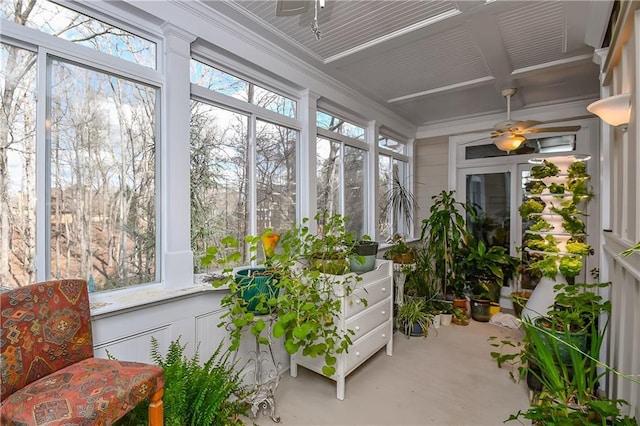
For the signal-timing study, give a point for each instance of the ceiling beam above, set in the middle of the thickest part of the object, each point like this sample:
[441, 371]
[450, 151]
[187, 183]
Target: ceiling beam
[483, 30]
[463, 84]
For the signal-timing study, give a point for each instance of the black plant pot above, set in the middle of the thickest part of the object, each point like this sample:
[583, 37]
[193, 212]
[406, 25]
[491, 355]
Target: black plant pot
[481, 309]
[366, 248]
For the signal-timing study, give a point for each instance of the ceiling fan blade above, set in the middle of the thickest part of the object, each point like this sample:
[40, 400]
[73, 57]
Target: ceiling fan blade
[552, 129]
[291, 7]
[525, 125]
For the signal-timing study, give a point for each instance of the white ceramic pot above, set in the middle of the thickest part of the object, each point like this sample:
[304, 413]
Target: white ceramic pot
[445, 319]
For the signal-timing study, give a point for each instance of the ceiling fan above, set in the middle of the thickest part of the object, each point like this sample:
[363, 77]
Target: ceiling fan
[509, 135]
[299, 7]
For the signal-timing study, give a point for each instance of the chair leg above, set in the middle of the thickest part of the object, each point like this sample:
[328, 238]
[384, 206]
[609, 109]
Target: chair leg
[155, 409]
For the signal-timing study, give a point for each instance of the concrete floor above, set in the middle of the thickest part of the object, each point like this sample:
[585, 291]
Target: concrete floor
[445, 379]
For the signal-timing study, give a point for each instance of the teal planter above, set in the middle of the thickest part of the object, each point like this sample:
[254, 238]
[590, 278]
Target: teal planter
[578, 340]
[366, 250]
[256, 289]
[360, 268]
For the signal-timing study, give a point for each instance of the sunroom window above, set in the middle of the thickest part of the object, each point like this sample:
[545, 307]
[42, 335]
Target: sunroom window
[243, 162]
[88, 156]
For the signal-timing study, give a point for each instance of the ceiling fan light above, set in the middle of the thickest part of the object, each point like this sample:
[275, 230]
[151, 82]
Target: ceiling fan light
[509, 142]
[614, 110]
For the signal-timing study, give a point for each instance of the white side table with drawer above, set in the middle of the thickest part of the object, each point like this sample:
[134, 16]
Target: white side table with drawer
[372, 325]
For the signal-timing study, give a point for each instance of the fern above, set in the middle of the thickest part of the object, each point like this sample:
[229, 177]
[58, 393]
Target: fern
[202, 391]
[195, 395]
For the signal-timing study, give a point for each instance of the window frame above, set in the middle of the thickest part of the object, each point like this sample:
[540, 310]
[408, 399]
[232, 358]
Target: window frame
[344, 140]
[48, 47]
[253, 113]
[407, 158]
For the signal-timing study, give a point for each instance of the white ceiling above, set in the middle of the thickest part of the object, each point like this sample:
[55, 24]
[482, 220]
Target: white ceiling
[435, 61]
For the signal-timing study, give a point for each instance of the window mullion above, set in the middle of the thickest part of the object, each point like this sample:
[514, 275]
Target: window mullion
[43, 170]
[252, 190]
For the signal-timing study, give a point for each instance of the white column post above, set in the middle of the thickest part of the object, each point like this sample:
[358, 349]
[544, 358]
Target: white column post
[175, 213]
[373, 213]
[307, 198]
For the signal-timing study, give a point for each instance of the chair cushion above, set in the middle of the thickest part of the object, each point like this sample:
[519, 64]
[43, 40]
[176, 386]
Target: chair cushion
[45, 327]
[93, 391]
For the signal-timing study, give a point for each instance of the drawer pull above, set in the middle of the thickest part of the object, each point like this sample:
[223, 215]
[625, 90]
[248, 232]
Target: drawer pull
[357, 353]
[384, 289]
[358, 302]
[357, 327]
[384, 312]
[384, 336]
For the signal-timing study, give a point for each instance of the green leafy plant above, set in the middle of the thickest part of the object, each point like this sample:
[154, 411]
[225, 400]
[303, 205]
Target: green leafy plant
[200, 395]
[547, 265]
[306, 302]
[577, 169]
[400, 200]
[400, 251]
[547, 243]
[414, 312]
[530, 207]
[570, 266]
[487, 268]
[556, 188]
[633, 249]
[578, 247]
[546, 169]
[568, 396]
[443, 234]
[541, 225]
[535, 187]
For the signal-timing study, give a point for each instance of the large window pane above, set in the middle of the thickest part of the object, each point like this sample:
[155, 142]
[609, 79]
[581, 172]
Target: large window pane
[227, 84]
[67, 24]
[17, 166]
[355, 189]
[219, 179]
[391, 144]
[490, 196]
[385, 180]
[103, 167]
[328, 160]
[391, 221]
[276, 176]
[340, 126]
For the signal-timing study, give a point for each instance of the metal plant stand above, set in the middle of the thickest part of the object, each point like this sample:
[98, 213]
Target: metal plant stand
[266, 377]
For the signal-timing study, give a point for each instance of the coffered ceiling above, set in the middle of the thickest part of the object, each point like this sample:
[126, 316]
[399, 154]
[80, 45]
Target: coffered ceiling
[437, 61]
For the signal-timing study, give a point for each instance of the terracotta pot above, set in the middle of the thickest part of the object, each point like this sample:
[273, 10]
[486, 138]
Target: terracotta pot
[404, 258]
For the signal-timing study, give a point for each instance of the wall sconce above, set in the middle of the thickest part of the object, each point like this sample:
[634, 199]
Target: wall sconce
[509, 141]
[614, 110]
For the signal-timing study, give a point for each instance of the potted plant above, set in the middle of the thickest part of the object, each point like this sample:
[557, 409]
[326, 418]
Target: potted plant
[328, 251]
[459, 316]
[400, 251]
[568, 375]
[562, 373]
[400, 201]
[304, 301]
[209, 393]
[444, 234]
[363, 256]
[413, 318]
[486, 269]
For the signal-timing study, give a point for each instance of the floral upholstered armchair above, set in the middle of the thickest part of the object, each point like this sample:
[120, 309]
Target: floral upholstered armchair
[48, 373]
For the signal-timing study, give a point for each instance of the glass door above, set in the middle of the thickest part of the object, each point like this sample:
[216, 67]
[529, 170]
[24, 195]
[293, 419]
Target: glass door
[489, 190]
